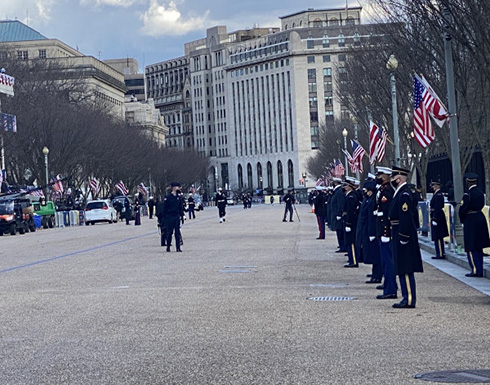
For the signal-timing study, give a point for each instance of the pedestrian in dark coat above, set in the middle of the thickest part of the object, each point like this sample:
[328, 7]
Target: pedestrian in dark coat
[438, 224]
[172, 212]
[349, 214]
[191, 205]
[127, 210]
[151, 207]
[337, 205]
[406, 249]
[288, 200]
[137, 212]
[320, 210]
[220, 201]
[475, 226]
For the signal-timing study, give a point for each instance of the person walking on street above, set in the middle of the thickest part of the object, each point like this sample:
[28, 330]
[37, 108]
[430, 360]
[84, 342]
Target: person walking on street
[172, 212]
[438, 225]
[151, 207]
[127, 210]
[288, 200]
[475, 228]
[191, 205]
[272, 200]
[406, 249]
[220, 201]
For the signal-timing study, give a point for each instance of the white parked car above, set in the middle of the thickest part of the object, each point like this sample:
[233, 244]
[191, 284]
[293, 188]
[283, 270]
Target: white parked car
[99, 211]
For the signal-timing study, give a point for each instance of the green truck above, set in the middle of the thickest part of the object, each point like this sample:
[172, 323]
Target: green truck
[47, 212]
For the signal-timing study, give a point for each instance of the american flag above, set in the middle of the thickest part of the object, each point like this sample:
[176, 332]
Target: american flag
[142, 189]
[320, 181]
[56, 184]
[358, 154]
[377, 143]
[337, 168]
[1, 178]
[95, 185]
[423, 130]
[120, 186]
[36, 192]
[352, 162]
[433, 104]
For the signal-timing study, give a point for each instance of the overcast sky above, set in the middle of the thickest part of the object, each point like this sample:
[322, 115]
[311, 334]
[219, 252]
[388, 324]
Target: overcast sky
[148, 30]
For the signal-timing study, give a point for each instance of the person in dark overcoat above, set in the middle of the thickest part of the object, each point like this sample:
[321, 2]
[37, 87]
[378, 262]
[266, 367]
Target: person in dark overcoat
[137, 212]
[368, 245]
[220, 200]
[336, 206]
[406, 249]
[438, 224]
[475, 226]
[349, 215]
[384, 196]
[151, 207]
[288, 200]
[172, 212]
[320, 210]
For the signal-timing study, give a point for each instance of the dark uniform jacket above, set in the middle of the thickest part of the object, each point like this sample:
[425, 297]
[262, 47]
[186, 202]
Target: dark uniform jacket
[384, 197]
[367, 251]
[350, 213]
[220, 199]
[437, 215]
[320, 204]
[407, 256]
[473, 220]
[288, 199]
[172, 207]
[337, 205]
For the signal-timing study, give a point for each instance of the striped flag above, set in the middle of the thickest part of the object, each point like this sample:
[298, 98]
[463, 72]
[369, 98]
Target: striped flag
[338, 168]
[357, 153]
[422, 126]
[433, 104]
[56, 184]
[352, 162]
[377, 143]
[95, 185]
[120, 186]
[142, 189]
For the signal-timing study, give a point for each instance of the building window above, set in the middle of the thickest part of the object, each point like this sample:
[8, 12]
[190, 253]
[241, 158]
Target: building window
[329, 116]
[310, 59]
[341, 40]
[327, 72]
[326, 58]
[311, 73]
[328, 101]
[333, 22]
[314, 130]
[357, 39]
[342, 56]
[22, 55]
[313, 102]
[327, 86]
[42, 54]
[344, 114]
[311, 87]
[326, 41]
[310, 44]
[314, 144]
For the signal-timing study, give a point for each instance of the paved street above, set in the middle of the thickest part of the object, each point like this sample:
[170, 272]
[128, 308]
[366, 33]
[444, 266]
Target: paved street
[105, 304]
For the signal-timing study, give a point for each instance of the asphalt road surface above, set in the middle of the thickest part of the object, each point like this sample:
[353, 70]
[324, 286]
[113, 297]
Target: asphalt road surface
[105, 304]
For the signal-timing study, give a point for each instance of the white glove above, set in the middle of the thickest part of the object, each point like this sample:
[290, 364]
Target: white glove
[434, 223]
[348, 229]
[338, 218]
[385, 239]
[371, 239]
[403, 242]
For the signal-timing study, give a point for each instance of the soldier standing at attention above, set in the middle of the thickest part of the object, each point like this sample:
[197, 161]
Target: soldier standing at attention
[350, 212]
[220, 200]
[172, 211]
[438, 225]
[406, 249]
[475, 227]
[321, 210]
[384, 197]
[336, 203]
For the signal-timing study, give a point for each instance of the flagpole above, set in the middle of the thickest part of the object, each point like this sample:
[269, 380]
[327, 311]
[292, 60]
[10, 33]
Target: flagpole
[355, 137]
[453, 126]
[344, 134]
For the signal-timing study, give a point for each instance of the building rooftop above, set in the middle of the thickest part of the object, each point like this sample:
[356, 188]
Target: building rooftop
[328, 10]
[14, 30]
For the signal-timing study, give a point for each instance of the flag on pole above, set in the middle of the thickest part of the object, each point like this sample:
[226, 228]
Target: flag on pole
[377, 143]
[142, 189]
[352, 162]
[422, 127]
[357, 153]
[56, 184]
[120, 186]
[433, 103]
[95, 185]
[338, 168]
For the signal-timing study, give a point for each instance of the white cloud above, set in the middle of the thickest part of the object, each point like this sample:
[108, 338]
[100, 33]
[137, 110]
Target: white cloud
[27, 10]
[161, 20]
[115, 3]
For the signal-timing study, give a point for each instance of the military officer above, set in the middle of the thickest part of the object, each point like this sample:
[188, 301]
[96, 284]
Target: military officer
[406, 249]
[336, 206]
[474, 225]
[349, 214]
[384, 197]
[438, 224]
[172, 212]
[220, 200]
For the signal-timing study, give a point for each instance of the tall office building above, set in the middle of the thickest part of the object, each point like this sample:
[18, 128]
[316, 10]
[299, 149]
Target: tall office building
[260, 96]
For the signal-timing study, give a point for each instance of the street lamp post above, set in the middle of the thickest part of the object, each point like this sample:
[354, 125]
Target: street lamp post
[46, 152]
[344, 134]
[392, 66]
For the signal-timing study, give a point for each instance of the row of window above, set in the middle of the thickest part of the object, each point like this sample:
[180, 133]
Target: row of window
[332, 22]
[268, 181]
[259, 68]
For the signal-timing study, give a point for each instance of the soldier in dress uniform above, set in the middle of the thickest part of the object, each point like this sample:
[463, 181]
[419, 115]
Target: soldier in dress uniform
[172, 212]
[349, 214]
[384, 197]
[288, 200]
[336, 206]
[475, 226]
[220, 201]
[406, 249]
[321, 209]
[438, 224]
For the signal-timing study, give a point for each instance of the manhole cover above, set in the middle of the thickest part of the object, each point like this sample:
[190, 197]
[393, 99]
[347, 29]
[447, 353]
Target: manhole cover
[331, 298]
[329, 284]
[476, 376]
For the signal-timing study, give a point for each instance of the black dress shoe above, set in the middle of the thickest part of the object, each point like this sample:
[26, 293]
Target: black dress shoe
[291, 220]
[443, 257]
[340, 251]
[402, 305]
[474, 275]
[374, 281]
[352, 265]
[168, 249]
[386, 296]
[369, 275]
[179, 251]
[380, 287]
[321, 238]
[284, 220]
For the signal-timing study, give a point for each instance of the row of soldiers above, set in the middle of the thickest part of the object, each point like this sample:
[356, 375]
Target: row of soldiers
[377, 224]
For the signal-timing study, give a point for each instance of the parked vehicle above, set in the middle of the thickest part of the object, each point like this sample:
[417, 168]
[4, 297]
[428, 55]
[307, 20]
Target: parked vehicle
[100, 210]
[47, 211]
[198, 202]
[16, 214]
[122, 199]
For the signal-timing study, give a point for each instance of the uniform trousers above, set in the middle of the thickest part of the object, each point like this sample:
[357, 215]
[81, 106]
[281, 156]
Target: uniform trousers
[475, 259]
[340, 240]
[173, 224]
[388, 263]
[321, 225]
[351, 254]
[439, 243]
[407, 286]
